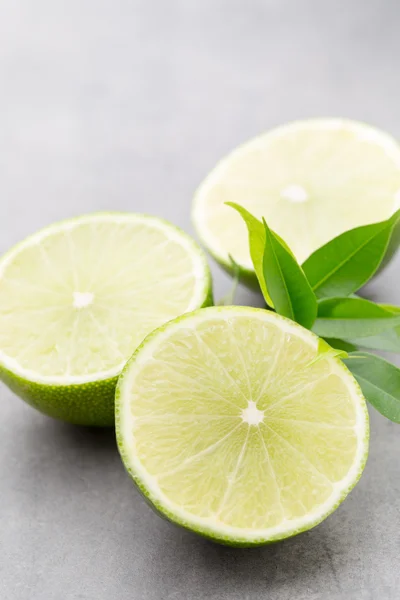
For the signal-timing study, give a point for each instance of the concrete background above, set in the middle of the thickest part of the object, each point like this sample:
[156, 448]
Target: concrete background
[126, 104]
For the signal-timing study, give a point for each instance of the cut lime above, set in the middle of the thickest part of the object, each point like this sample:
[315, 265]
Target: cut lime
[231, 429]
[311, 180]
[77, 298]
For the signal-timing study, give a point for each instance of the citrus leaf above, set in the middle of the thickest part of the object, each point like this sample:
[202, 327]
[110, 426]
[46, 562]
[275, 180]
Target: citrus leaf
[341, 344]
[388, 341]
[256, 242]
[352, 318]
[325, 350]
[346, 263]
[391, 308]
[290, 291]
[379, 381]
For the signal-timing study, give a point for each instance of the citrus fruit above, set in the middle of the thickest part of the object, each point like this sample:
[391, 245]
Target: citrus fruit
[311, 180]
[78, 297]
[231, 429]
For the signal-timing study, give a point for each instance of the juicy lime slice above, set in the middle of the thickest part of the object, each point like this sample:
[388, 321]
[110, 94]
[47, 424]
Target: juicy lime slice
[77, 298]
[231, 429]
[311, 180]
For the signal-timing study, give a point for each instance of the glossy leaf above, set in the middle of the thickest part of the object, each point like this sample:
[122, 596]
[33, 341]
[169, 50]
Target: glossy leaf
[346, 263]
[256, 243]
[325, 350]
[388, 341]
[352, 318]
[391, 308]
[290, 291]
[341, 344]
[379, 381]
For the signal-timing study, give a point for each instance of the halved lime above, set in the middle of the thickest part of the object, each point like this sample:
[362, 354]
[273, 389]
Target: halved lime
[311, 180]
[77, 298]
[231, 429]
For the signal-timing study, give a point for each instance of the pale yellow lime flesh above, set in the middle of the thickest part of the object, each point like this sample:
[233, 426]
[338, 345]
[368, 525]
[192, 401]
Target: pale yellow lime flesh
[77, 298]
[311, 180]
[229, 429]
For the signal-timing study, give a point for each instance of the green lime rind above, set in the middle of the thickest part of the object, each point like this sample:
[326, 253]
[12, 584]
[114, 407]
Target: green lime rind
[211, 533]
[87, 403]
[90, 404]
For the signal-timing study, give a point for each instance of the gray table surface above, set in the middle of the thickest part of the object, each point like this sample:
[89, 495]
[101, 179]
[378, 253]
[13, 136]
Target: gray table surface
[126, 104]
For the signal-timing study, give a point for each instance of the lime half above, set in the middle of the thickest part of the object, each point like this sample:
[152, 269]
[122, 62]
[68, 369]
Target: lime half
[231, 429]
[77, 298]
[311, 180]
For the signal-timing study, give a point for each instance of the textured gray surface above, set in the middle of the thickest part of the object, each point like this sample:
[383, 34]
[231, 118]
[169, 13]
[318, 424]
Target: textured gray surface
[125, 104]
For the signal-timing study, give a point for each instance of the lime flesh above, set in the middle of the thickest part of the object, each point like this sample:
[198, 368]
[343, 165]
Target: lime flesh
[77, 298]
[231, 429]
[311, 180]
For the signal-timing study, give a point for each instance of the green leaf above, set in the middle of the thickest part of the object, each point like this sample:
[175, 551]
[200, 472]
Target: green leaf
[290, 291]
[391, 308]
[379, 381]
[325, 350]
[346, 263]
[388, 341]
[341, 344]
[352, 318]
[256, 242]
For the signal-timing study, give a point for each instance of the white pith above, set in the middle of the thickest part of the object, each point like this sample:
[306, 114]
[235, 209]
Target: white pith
[82, 299]
[294, 193]
[252, 415]
[214, 526]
